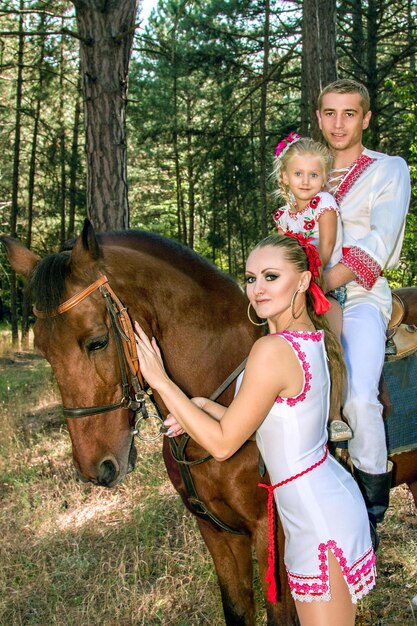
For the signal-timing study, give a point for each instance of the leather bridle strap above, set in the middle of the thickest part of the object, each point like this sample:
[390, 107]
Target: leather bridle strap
[74, 300]
[125, 345]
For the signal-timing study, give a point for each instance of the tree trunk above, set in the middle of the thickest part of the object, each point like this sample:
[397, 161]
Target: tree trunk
[62, 155]
[372, 37]
[327, 11]
[32, 175]
[262, 124]
[16, 172]
[191, 186]
[74, 164]
[318, 61]
[106, 28]
[358, 43]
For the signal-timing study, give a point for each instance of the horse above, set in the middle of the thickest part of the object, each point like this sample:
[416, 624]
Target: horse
[198, 315]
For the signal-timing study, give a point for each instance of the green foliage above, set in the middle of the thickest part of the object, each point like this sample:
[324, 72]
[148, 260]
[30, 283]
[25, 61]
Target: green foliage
[193, 117]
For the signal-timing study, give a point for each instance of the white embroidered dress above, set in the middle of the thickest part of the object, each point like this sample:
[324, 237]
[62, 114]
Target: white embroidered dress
[307, 222]
[322, 509]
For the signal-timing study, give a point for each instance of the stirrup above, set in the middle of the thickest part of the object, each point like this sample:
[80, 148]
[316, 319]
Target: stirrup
[339, 431]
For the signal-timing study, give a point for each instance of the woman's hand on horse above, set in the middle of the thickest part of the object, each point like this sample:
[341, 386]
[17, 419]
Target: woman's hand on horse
[150, 359]
[174, 428]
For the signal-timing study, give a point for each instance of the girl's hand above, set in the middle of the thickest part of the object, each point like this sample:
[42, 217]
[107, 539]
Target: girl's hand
[174, 428]
[150, 360]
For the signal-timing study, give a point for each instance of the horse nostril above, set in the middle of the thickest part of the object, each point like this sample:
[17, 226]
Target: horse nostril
[107, 473]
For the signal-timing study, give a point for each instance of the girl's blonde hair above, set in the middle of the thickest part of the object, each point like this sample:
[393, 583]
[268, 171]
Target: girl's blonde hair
[301, 147]
[296, 255]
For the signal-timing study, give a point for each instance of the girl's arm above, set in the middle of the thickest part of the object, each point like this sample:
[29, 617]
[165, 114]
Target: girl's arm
[327, 235]
[272, 369]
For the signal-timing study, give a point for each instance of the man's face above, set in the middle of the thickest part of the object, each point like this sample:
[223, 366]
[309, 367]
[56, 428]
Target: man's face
[342, 121]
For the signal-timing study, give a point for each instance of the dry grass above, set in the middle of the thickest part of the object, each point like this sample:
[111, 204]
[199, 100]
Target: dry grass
[74, 554]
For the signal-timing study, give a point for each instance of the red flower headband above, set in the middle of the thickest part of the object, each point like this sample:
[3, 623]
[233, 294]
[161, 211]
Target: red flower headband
[320, 302]
[284, 144]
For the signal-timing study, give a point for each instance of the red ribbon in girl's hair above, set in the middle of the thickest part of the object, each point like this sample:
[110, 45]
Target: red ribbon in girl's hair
[320, 302]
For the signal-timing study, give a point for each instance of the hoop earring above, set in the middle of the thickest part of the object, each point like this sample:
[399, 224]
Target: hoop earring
[294, 295]
[251, 320]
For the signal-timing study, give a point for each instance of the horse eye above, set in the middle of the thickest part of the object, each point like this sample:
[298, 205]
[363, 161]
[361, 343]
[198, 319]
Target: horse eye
[97, 343]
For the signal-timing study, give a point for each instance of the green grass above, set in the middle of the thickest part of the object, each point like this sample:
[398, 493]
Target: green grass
[73, 554]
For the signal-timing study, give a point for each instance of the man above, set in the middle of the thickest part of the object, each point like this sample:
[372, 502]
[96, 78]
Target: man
[373, 192]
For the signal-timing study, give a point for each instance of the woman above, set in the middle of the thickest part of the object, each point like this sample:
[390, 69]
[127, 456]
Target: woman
[284, 397]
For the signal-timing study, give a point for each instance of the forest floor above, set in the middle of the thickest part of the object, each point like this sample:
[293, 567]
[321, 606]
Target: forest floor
[73, 554]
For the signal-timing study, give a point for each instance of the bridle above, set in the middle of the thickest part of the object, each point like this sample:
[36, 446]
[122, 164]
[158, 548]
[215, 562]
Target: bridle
[132, 379]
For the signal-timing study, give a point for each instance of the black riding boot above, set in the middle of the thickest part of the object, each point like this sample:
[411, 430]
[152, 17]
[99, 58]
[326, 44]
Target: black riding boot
[375, 490]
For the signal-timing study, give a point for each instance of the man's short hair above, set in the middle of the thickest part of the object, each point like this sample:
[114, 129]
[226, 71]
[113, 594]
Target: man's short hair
[346, 85]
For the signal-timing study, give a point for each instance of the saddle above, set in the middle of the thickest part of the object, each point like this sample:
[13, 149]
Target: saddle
[401, 338]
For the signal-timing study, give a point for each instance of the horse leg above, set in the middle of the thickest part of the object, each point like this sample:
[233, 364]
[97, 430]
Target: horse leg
[413, 489]
[405, 471]
[283, 611]
[232, 557]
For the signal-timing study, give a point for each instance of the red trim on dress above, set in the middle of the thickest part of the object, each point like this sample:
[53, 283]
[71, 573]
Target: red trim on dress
[321, 210]
[365, 268]
[270, 574]
[360, 577]
[358, 167]
[289, 336]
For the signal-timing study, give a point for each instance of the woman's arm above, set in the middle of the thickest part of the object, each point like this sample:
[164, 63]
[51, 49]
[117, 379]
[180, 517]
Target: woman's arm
[214, 409]
[272, 369]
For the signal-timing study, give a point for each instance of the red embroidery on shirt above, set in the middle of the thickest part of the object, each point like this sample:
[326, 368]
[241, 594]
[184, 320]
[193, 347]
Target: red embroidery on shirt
[359, 166]
[365, 268]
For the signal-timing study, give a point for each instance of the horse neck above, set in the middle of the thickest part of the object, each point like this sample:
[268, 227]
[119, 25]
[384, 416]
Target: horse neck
[200, 327]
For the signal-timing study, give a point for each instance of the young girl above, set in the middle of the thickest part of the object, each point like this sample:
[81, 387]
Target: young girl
[284, 397]
[301, 169]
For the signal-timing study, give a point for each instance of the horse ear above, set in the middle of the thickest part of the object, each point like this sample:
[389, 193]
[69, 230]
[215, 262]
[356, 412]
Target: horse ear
[21, 258]
[86, 247]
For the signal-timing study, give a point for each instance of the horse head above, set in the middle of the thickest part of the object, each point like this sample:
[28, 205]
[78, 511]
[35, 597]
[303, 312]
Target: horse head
[79, 345]
[196, 313]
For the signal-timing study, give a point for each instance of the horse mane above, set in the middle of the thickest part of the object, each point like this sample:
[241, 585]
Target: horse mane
[176, 254]
[46, 283]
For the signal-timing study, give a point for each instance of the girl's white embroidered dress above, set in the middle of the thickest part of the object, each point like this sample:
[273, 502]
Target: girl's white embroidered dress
[322, 509]
[307, 222]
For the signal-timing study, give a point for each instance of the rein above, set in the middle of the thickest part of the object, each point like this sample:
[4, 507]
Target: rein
[129, 368]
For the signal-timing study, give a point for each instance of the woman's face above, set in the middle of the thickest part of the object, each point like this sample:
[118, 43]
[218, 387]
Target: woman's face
[271, 281]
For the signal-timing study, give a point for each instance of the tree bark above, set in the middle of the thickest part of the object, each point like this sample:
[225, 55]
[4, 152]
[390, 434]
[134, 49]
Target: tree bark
[319, 61]
[358, 42]
[262, 124]
[32, 176]
[74, 164]
[106, 29]
[372, 72]
[16, 171]
[62, 155]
